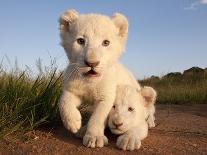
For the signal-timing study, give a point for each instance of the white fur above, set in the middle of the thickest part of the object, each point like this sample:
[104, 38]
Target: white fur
[130, 111]
[150, 95]
[150, 115]
[100, 90]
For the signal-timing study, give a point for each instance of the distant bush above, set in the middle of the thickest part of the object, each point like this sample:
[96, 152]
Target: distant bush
[177, 88]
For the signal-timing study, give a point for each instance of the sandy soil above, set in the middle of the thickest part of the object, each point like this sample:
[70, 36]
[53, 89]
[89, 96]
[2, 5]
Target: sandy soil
[181, 129]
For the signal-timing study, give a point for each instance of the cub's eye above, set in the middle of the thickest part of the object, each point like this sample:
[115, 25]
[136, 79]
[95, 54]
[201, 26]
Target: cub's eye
[114, 107]
[81, 41]
[130, 109]
[105, 43]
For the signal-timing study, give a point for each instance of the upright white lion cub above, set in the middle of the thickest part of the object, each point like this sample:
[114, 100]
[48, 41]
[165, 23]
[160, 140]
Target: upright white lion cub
[93, 44]
[130, 114]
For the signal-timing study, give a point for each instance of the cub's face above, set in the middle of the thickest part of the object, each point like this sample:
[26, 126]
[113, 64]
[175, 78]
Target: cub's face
[130, 107]
[122, 117]
[127, 111]
[92, 42]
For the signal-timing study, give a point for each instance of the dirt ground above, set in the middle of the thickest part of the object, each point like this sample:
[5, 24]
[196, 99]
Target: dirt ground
[181, 129]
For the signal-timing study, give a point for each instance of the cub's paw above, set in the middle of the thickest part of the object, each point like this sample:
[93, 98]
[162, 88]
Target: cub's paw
[73, 121]
[128, 142]
[151, 124]
[94, 141]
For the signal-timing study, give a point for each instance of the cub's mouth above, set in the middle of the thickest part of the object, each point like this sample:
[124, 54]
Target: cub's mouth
[116, 131]
[91, 73]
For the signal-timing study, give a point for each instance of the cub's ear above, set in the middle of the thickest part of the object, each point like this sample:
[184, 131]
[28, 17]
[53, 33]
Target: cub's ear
[149, 95]
[66, 19]
[121, 23]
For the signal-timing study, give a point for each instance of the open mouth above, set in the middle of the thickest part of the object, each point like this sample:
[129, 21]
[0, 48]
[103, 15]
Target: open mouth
[92, 73]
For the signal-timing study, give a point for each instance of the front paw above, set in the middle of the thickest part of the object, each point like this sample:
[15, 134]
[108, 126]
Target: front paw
[72, 121]
[94, 141]
[151, 124]
[128, 142]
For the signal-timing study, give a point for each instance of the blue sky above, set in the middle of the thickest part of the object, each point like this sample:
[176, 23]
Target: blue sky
[164, 35]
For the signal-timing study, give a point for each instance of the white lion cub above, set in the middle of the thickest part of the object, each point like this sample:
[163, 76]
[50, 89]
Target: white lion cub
[93, 44]
[129, 113]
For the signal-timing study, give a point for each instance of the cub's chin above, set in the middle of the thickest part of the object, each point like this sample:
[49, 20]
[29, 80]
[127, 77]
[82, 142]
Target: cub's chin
[117, 131]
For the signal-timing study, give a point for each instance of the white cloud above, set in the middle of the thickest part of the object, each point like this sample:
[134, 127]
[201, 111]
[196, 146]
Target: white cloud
[195, 5]
[203, 2]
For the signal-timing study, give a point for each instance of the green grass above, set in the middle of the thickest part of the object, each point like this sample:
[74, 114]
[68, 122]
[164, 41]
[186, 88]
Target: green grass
[28, 101]
[181, 89]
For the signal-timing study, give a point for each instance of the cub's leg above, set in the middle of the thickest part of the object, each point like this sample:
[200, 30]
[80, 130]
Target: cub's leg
[94, 136]
[151, 117]
[69, 113]
[151, 121]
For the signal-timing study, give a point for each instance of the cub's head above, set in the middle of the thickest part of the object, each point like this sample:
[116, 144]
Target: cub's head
[92, 42]
[129, 108]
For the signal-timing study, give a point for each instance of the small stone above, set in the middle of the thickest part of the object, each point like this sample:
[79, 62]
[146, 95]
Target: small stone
[195, 145]
[36, 137]
[34, 147]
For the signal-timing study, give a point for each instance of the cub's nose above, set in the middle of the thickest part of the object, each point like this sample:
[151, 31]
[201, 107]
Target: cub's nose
[117, 125]
[92, 64]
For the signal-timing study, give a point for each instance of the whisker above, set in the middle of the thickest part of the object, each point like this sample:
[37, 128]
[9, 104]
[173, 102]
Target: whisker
[70, 74]
[73, 63]
[79, 73]
[98, 67]
[75, 75]
[83, 67]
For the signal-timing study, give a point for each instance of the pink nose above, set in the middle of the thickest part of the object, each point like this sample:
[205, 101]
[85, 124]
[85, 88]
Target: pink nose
[117, 124]
[91, 64]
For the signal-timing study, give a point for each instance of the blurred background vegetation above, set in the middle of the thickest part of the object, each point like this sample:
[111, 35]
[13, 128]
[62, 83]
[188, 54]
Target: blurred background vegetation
[180, 88]
[29, 100]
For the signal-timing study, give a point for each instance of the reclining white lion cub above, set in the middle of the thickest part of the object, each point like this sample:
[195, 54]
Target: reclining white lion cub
[93, 44]
[131, 113]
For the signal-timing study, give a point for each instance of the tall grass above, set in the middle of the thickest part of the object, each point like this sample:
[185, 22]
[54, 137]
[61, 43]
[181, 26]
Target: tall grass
[27, 102]
[191, 88]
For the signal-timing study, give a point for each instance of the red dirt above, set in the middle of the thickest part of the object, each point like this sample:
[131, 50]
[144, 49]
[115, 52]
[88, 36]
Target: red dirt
[181, 129]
